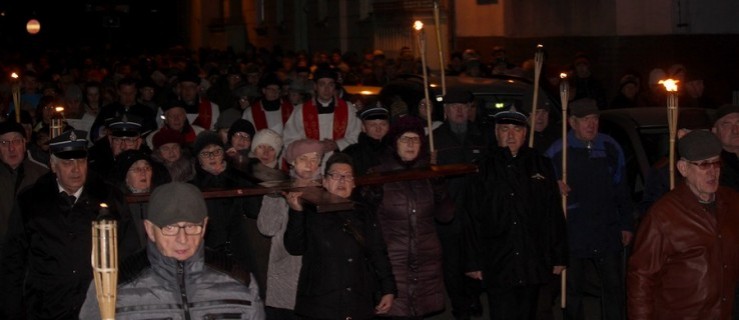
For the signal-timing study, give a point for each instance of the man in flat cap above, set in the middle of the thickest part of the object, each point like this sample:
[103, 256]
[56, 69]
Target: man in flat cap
[124, 133]
[126, 105]
[726, 127]
[269, 112]
[176, 277]
[458, 140]
[17, 170]
[515, 237]
[371, 143]
[600, 212]
[45, 268]
[684, 263]
[326, 118]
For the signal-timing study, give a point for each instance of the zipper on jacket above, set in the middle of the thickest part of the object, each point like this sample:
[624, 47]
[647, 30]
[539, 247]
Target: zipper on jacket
[183, 292]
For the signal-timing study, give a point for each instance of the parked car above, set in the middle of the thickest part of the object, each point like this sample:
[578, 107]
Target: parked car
[643, 134]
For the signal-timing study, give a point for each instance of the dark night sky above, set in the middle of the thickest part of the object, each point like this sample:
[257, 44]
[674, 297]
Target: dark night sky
[147, 24]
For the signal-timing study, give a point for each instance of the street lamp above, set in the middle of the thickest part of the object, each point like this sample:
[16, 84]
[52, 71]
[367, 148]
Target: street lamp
[33, 26]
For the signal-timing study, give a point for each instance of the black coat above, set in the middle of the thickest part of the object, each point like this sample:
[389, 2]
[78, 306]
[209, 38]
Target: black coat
[49, 248]
[516, 232]
[340, 275]
[366, 153]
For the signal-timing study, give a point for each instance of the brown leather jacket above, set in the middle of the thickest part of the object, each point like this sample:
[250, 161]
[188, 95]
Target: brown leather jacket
[684, 262]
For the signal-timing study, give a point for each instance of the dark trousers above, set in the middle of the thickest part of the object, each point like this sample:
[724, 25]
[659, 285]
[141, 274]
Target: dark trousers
[464, 292]
[608, 269]
[272, 313]
[517, 303]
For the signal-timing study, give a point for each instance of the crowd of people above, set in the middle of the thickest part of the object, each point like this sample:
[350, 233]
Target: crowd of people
[171, 126]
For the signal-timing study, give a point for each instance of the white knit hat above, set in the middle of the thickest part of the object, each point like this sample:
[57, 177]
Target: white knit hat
[268, 137]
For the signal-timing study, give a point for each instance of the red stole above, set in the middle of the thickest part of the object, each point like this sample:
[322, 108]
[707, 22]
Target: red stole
[310, 119]
[260, 117]
[205, 114]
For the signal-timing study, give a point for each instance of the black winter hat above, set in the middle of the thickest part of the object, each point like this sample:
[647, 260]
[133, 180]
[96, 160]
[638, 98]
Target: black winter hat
[205, 139]
[125, 160]
[241, 125]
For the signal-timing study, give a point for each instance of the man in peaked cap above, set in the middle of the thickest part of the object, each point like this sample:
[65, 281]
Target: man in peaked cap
[45, 268]
[371, 145]
[516, 199]
[126, 105]
[326, 117]
[684, 262]
[124, 134]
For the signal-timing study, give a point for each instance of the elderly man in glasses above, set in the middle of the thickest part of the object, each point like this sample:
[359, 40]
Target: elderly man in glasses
[684, 264]
[17, 170]
[176, 277]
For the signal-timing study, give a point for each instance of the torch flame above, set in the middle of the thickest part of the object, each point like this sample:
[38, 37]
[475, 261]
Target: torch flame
[670, 84]
[540, 46]
[59, 109]
[103, 205]
[418, 25]
[14, 75]
[563, 75]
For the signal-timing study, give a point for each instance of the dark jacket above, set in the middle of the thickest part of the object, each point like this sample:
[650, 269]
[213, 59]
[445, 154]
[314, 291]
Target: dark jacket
[685, 260]
[345, 263]
[450, 149]
[115, 109]
[45, 267]
[209, 285]
[516, 232]
[406, 212]
[366, 153]
[232, 225]
[599, 205]
[12, 183]
[729, 170]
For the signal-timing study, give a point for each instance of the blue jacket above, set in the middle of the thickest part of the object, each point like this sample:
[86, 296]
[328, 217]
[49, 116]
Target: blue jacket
[599, 205]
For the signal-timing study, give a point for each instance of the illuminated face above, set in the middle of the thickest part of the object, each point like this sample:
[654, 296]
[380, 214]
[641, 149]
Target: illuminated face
[325, 89]
[306, 165]
[457, 113]
[727, 130]
[541, 120]
[241, 141]
[12, 149]
[175, 118]
[701, 176]
[585, 128]
[376, 129]
[138, 176]
[71, 173]
[127, 94]
[511, 136]
[339, 180]
[170, 152]
[408, 146]
[211, 158]
[120, 144]
[180, 246]
[271, 92]
[265, 153]
[188, 91]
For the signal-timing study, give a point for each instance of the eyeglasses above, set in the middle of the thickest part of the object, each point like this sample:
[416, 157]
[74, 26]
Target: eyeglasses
[211, 154]
[174, 229]
[705, 165]
[338, 176]
[130, 141]
[241, 135]
[8, 143]
[139, 170]
[410, 140]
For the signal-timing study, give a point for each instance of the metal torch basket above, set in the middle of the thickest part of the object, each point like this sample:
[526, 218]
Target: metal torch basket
[105, 265]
